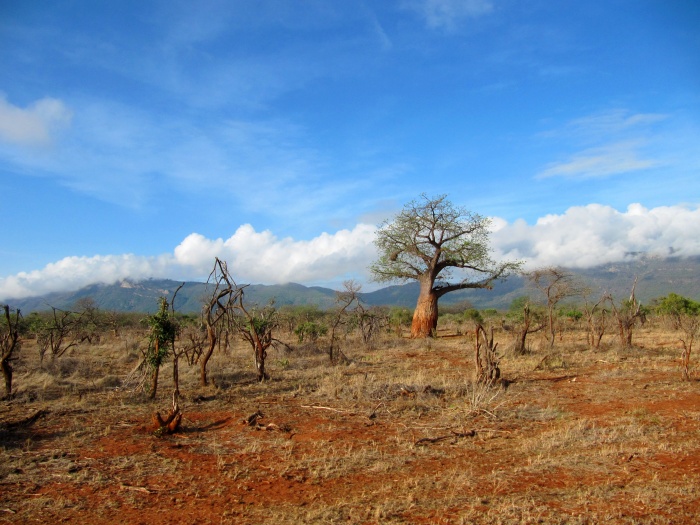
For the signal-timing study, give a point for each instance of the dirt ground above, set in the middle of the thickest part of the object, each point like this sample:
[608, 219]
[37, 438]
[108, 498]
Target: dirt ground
[399, 434]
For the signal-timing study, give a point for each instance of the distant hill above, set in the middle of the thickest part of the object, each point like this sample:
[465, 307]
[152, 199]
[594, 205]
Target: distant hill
[656, 277]
[142, 296]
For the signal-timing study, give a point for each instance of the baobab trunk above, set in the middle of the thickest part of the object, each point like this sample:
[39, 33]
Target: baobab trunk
[425, 317]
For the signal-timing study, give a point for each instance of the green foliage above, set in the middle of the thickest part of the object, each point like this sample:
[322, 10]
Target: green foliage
[523, 310]
[431, 236]
[571, 312]
[34, 323]
[163, 331]
[292, 316]
[473, 315]
[519, 303]
[456, 308]
[674, 304]
[305, 312]
[310, 330]
[261, 325]
[399, 316]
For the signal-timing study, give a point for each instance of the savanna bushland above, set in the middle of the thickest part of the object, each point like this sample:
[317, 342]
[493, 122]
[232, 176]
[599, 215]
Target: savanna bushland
[570, 406]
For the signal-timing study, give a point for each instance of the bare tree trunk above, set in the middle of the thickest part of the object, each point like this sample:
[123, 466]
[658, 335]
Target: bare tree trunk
[425, 318]
[7, 374]
[176, 375]
[685, 361]
[211, 334]
[520, 347]
[154, 382]
[552, 331]
[154, 377]
[260, 355]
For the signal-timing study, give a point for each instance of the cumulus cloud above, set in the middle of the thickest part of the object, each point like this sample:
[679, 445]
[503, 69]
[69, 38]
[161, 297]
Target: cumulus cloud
[586, 236]
[34, 125]
[261, 257]
[583, 236]
[446, 14]
[72, 273]
[252, 257]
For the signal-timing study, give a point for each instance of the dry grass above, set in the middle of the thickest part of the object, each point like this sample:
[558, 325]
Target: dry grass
[398, 434]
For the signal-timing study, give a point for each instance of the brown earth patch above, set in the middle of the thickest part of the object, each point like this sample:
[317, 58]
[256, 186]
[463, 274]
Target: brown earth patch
[400, 435]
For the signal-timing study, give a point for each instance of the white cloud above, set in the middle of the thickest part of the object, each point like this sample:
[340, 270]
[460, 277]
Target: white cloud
[583, 236]
[252, 257]
[261, 257]
[34, 125]
[72, 273]
[586, 236]
[446, 14]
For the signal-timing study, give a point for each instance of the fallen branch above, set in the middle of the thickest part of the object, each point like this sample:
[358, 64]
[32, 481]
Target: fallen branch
[427, 440]
[138, 489]
[329, 408]
[26, 421]
[253, 422]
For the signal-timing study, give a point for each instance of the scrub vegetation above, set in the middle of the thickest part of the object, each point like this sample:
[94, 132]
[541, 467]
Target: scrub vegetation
[513, 416]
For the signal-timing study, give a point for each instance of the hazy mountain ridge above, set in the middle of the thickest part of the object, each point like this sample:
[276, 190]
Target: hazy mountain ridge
[656, 277]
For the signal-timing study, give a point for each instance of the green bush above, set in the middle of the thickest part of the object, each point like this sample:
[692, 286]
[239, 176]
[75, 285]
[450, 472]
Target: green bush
[310, 330]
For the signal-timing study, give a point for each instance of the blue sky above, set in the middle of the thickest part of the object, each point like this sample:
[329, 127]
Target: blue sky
[142, 139]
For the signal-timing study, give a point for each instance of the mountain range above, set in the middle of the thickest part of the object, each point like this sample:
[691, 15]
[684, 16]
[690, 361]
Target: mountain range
[656, 277]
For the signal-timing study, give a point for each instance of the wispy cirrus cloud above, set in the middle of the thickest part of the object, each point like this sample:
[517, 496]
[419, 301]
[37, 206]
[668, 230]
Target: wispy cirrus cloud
[604, 161]
[35, 125]
[124, 155]
[612, 122]
[604, 144]
[448, 14]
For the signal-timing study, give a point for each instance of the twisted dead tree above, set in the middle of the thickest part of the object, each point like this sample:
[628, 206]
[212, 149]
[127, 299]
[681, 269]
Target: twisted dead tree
[344, 301]
[527, 319]
[255, 325]
[627, 314]
[684, 315]
[9, 343]
[596, 319]
[485, 357]
[60, 333]
[217, 310]
[555, 284]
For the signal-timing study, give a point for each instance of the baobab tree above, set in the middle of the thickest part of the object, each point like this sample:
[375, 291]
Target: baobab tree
[433, 241]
